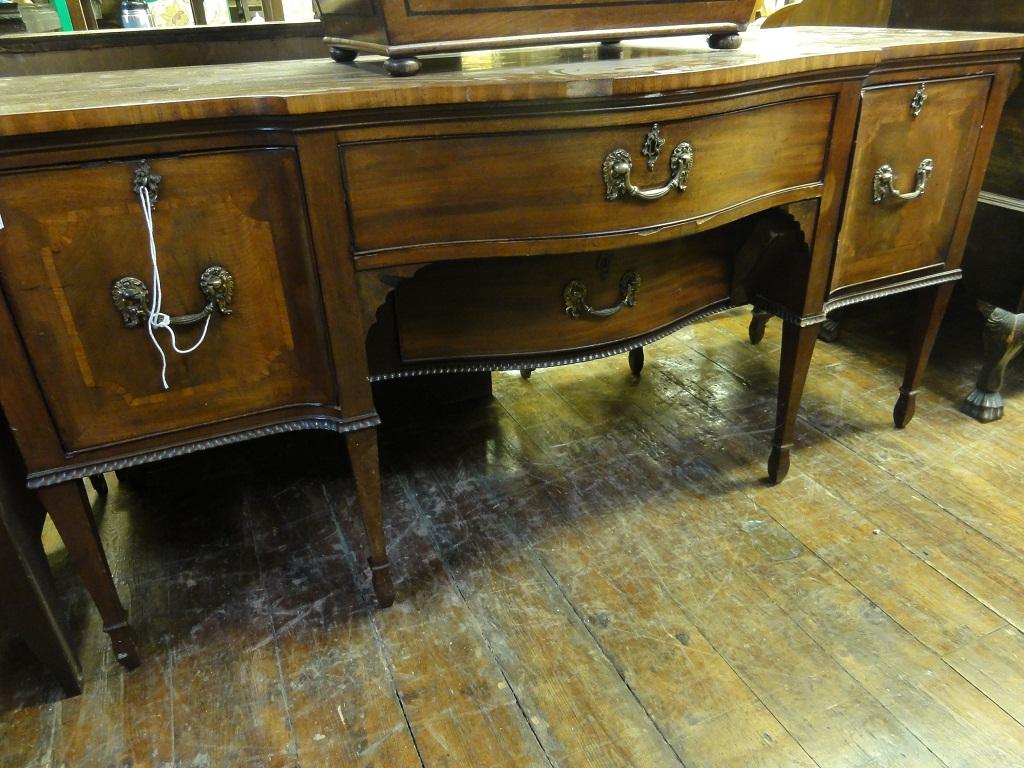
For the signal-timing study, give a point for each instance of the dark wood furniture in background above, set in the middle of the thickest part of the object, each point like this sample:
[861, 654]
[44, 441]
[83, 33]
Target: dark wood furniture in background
[405, 29]
[546, 209]
[29, 608]
[106, 50]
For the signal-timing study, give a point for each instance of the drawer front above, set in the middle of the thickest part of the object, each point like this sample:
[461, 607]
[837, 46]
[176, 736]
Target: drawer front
[72, 232]
[894, 236]
[550, 184]
[494, 308]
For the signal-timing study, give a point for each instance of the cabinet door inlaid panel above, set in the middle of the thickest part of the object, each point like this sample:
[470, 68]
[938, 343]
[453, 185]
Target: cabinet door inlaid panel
[892, 237]
[72, 232]
[548, 184]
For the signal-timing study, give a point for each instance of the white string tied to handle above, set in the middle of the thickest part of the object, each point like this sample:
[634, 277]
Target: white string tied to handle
[158, 319]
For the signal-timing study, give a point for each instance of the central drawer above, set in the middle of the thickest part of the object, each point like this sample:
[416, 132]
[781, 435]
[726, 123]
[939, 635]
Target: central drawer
[515, 307]
[548, 184]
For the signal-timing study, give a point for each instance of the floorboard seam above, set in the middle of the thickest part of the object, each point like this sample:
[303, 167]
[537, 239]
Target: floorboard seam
[555, 391]
[900, 481]
[389, 665]
[282, 683]
[989, 698]
[611, 663]
[739, 676]
[906, 726]
[429, 527]
[170, 688]
[359, 578]
[908, 483]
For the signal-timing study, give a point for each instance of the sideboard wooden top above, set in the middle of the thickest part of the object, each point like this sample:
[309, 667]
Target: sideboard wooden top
[39, 104]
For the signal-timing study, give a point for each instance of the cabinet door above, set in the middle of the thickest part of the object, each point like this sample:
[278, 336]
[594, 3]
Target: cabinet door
[892, 236]
[72, 232]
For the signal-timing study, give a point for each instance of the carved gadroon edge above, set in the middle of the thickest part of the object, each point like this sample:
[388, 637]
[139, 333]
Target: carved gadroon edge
[891, 290]
[551, 361]
[785, 314]
[55, 477]
[144, 177]
[803, 321]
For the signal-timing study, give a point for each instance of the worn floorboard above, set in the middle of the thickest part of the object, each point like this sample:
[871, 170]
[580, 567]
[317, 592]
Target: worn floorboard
[591, 572]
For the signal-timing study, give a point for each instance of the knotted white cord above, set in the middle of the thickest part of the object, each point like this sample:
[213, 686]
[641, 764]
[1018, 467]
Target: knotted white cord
[158, 319]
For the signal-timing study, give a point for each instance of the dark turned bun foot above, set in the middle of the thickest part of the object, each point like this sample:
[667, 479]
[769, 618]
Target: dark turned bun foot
[343, 55]
[636, 361]
[725, 42]
[402, 67]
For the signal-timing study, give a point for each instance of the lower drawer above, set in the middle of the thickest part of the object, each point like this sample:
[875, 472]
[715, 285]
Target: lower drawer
[497, 308]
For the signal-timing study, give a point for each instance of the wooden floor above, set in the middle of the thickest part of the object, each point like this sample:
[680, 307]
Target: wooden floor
[592, 573]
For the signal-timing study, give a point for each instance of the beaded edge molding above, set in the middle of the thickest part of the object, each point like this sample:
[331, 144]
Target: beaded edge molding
[784, 314]
[44, 479]
[845, 301]
[506, 364]
[892, 290]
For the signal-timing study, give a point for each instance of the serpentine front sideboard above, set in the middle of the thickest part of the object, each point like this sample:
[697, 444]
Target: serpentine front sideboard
[304, 228]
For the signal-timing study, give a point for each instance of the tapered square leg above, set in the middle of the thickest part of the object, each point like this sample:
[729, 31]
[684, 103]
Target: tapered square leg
[363, 452]
[797, 349]
[29, 603]
[758, 321]
[931, 306]
[68, 507]
[636, 361]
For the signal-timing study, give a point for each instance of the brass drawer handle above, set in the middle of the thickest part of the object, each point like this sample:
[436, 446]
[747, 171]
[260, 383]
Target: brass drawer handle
[618, 165]
[131, 297]
[885, 182]
[575, 297]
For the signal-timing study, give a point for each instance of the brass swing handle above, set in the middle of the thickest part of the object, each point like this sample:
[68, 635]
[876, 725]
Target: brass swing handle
[131, 298]
[575, 297]
[618, 165]
[885, 182]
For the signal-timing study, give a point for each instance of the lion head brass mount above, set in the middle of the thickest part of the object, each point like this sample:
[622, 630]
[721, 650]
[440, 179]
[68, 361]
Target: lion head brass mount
[618, 165]
[131, 298]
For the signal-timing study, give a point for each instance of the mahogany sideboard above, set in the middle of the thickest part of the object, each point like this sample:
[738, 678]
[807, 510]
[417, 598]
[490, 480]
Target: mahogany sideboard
[318, 226]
